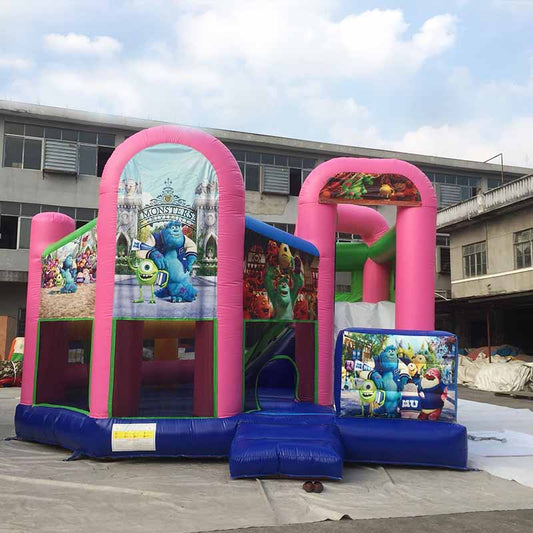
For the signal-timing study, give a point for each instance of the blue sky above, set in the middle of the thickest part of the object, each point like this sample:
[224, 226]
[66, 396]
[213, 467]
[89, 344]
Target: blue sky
[451, 78]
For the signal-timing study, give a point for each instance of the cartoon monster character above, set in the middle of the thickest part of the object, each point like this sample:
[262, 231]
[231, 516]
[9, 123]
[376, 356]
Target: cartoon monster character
[68, 272]
[175, 253]
[58, 280]
[386, 191]
[301, 309]
[283, 283]
[414, 375]
[146, 272]
[420, 361]
[371, 398]
[272, 253]
[405, 191]
[285, 259]
[248, 289]
[387, 376]
[261, 306]
[433, 393]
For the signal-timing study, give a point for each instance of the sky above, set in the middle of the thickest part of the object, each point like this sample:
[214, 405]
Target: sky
[439, 77]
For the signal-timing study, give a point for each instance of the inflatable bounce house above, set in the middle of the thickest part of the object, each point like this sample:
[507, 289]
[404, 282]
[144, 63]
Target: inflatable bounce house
[174, 325]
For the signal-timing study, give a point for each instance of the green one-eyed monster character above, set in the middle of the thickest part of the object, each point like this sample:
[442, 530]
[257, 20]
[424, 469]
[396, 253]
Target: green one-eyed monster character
[147, 273]
[371, 397]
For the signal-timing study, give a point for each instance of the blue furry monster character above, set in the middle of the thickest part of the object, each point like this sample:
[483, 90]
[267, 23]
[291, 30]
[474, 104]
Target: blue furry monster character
[388, 377]
[68, 270]
[175, 253]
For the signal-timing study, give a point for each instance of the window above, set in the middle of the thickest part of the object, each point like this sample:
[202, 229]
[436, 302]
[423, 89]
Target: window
[443, 240]
[23, 146]
[348, 237]
[104, 153]
[523, 242]
[8, 232]
[295, 183]
[444, 260]
[251, 179]
[87, 157]
[475, 259]
[24, 233]
[15, 221]
[282, 174]
[289, 228]
[13, 148]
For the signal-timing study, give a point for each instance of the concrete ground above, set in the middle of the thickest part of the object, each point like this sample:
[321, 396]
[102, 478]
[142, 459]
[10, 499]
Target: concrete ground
[42, 493]
[482, 522]
[464, 393]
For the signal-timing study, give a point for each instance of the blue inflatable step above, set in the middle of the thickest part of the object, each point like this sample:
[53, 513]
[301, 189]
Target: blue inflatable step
[290, 449]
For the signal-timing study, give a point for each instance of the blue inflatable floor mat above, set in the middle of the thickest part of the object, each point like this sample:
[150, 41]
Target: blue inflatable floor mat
[272, 448]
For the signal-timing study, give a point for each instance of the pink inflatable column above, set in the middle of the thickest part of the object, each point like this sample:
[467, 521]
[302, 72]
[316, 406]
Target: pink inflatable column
[46, 228]
[415, 255]
[415, 267]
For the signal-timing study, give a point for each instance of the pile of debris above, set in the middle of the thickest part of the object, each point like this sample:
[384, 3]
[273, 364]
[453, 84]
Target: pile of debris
[507, 370]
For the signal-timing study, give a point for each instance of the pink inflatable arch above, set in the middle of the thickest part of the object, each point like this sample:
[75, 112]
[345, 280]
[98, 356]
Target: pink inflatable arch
[370, 225]
[415, 256]
[230, 260]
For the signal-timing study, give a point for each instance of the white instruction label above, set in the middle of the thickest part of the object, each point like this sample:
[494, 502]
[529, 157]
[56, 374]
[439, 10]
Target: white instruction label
[133, 437]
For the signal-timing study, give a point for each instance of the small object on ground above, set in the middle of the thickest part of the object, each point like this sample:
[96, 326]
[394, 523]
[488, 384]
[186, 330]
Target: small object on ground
[308, 486]
[317, 486]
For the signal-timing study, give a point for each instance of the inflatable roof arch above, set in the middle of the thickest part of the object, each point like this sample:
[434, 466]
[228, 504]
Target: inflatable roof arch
[319, 216]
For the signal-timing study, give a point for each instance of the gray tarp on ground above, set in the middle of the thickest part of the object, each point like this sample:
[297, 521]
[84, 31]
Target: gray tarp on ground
[41, 492]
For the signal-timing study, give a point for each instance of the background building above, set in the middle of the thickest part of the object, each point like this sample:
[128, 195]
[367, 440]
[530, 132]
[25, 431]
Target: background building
[491, 241]
[52, 158]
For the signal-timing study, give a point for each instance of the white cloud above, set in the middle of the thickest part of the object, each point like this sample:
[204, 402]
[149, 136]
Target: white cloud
[74, 43]
[279, 38]
[477, 140]
[14, 63]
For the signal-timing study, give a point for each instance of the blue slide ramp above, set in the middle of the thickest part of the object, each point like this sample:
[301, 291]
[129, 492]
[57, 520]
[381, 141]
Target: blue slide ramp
[307, 447]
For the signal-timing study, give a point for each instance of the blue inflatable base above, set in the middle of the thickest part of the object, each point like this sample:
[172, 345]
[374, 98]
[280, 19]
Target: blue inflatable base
[311, 443]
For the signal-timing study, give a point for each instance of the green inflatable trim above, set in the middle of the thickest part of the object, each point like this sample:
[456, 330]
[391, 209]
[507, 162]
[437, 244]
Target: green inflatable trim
[70, 237]
[350, 256]
[384, 249]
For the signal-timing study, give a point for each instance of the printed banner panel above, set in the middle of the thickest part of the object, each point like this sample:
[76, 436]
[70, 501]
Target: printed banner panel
[167, 235]
[280, 281]
[68, 279]
[392, 376]
[369, 189]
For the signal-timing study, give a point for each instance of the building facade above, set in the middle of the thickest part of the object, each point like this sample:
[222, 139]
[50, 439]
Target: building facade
[491, 241]
[52, 159]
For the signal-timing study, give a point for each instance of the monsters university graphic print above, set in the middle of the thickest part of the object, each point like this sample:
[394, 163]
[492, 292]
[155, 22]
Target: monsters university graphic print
[167, 219]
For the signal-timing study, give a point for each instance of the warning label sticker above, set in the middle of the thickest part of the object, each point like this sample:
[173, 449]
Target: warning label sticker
[133, 437]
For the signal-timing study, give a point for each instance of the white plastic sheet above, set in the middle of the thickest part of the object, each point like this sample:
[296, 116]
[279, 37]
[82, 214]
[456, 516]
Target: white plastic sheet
[501, 374]
[363, 315]
[508, 460]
